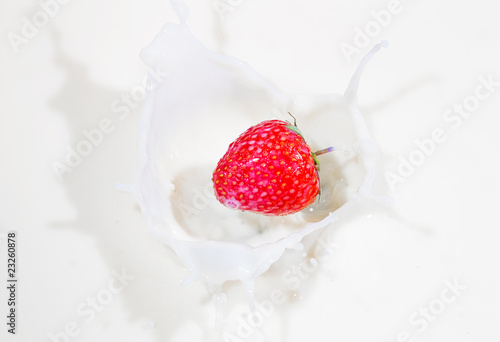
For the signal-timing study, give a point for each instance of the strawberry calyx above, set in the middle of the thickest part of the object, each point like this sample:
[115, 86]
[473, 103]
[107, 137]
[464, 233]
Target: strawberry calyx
[296, 130]
[293, 127]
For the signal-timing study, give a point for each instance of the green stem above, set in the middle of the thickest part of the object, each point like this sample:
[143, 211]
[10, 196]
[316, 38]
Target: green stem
[325, 150]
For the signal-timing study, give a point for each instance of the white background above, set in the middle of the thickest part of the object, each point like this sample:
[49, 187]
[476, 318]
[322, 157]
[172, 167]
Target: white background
[75, 231]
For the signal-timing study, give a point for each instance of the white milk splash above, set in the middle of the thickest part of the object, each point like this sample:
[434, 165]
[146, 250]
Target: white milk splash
[190, 118]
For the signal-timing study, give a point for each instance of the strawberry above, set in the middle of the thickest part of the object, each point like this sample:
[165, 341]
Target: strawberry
[268, 169]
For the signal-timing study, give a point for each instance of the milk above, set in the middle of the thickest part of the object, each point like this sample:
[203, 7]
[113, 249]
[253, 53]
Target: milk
[188, 121]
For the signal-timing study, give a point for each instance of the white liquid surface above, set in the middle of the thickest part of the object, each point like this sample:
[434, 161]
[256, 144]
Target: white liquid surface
[190, 118]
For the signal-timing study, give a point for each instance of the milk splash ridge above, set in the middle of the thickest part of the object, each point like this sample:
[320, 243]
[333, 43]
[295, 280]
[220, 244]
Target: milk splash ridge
[178, 152]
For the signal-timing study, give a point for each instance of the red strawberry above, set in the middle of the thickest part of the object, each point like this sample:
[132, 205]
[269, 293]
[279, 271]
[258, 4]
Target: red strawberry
[269, 169]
